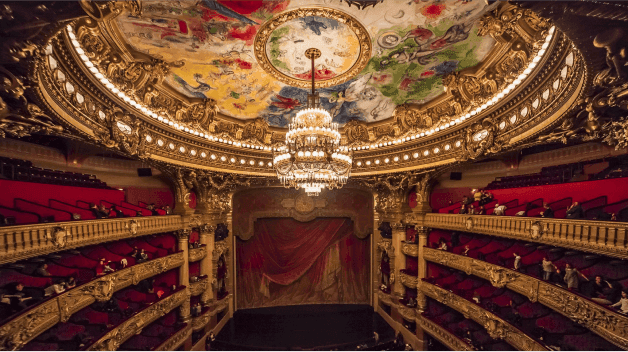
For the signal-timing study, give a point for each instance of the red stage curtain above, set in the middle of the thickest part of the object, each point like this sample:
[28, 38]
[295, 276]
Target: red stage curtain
[288, 262]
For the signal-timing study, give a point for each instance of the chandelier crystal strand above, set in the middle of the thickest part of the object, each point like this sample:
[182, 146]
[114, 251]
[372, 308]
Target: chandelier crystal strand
[313, 158]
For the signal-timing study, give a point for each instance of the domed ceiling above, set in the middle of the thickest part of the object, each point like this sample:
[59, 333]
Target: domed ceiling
[249, 55]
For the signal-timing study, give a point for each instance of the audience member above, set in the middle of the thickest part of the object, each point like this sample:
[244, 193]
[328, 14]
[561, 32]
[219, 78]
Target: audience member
[442, 245]
[517, 263]
[196, 310]
[622, 304]
[466, 200]
[480, 211]
[104, 211]
[486, 198]
[119, 213]
[521, 213]
[103, 268]
[499, 209]
[463, 209]
[465, 252]
[548, 212]
[603, 292]
[138, 213]
[94, 209]
[17, 298]
[411, 302]
[471, 210]
[477, 195]
[123, 263]
[167, 209]
[571, 277]
[604, 216]
[141, 256]
[575, 211]
[71, 283]
[42, 270]
[548, 268]
[56, 288]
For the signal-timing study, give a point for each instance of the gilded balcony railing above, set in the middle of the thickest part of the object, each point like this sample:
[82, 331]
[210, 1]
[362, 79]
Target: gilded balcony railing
[409, 281]
[496, 327]
[604, 237]
[410, 249]
[25, 241]
[175, 340]
[19, 331]
[445, 337]
[605, 322]
[200, 286]
[199, 322]
[112, 340]
[197, 254]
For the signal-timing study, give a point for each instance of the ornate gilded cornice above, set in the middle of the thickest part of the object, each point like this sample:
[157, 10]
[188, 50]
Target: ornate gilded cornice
[603, 321]
[445, 337]
[410, 249]
[245, 147]
[19, 331]
[175, 340]
[197, 288]
[408, 314]
[408, 280]
[112, 340]
[197, 254]
[392, 190]
[387, 299]
[17, 242]
[608, 238]
[496, 327]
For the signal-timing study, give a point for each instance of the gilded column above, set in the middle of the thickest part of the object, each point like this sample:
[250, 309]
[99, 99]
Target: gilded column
[422, 232]
[184, 272]
[399, 235]
[206, 236]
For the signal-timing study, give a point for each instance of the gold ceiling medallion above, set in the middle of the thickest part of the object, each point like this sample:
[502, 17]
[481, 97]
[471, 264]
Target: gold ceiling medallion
[271, 65]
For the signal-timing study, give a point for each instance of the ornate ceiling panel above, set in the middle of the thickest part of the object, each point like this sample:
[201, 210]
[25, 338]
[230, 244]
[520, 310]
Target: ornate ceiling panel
[249, 55]
[108, 92]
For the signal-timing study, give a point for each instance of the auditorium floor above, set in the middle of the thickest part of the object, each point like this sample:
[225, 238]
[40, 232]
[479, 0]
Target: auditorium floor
[303, 327]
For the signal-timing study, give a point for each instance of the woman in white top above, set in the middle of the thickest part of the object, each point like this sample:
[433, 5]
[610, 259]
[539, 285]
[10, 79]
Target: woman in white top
[623, 303]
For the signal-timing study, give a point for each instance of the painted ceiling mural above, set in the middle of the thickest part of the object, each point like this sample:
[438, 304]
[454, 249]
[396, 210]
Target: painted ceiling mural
[415, 43]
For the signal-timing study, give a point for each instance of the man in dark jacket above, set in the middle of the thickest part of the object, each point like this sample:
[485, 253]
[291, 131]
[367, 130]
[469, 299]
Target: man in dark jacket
[575, 211]
[548, 212]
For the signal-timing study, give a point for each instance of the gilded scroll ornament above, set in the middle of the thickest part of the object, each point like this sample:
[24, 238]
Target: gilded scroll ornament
[133, 226]
[57, 236]
[356, 132]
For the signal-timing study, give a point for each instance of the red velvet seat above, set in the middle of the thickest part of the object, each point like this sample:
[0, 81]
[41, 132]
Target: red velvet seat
[77, 261]
[164, 241]
[21, 217]
[90, 316]
[42, 210]
[84, 213]
[8, 276]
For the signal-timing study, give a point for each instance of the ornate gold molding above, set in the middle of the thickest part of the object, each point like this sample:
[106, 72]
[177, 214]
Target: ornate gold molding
[19, 331]
[199, 322]
[445, 337]
[25, 241]
[608, 238]
[197, 254]
[265, 31]
[408, 280]
[408, 314]
[410, 249]
[496, 327]
[175, 340]
[197, 288]
[132, 326]
[603, 321]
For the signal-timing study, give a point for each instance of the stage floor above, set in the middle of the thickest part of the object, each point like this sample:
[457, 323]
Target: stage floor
[303, 327]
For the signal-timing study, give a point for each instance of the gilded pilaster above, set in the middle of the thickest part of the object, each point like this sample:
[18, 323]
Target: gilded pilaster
[206, 235]
[183, 236]
[422, 232]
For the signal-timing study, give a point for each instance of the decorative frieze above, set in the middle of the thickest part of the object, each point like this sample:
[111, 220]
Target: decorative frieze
[25, 241]
[603, 237]
[605, 322]
[175, 340]
[197, 254]
[19, 331]
[496, 327]
[445, 337]
[199, 322]
[408, 280]
[410, 249]
[198, 287]
[134, 325]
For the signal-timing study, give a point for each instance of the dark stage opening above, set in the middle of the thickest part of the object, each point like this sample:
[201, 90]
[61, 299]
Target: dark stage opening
[304, 327]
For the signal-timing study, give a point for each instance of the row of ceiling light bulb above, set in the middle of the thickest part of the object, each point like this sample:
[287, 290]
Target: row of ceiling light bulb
[93, 69]
[516, 82]
[148, 112]
[324, 130]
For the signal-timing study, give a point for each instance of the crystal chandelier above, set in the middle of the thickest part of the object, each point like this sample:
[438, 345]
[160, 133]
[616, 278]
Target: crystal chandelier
[313, 158]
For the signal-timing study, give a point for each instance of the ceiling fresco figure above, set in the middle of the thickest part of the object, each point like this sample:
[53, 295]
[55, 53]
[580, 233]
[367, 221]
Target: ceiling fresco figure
[415, 43]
